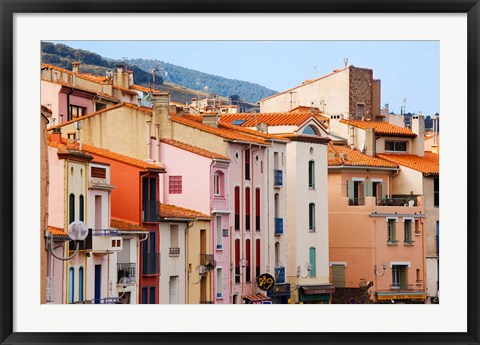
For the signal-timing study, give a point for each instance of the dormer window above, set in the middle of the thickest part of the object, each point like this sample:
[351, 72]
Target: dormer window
[395, 146]
[310, 130]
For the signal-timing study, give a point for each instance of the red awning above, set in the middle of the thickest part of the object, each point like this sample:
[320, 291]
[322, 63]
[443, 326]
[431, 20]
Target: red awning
[257, 298]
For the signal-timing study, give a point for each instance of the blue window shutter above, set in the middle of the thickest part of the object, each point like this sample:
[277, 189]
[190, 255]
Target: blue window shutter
[71, 285]
[80, 284]
[152, 295]
[144, 295]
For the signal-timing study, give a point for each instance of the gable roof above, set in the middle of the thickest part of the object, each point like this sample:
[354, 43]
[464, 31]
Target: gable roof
[428, 164]
[342, 155]
[194, 149]
[172, 211]
[382, 128]
[64, 143]
[125, 225]
[90, 77]
[271, 119]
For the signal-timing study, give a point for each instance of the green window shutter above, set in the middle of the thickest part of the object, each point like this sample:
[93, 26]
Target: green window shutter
[350, 189]
[394, 230]
[313, 262]
[383, 191]
[403, 277]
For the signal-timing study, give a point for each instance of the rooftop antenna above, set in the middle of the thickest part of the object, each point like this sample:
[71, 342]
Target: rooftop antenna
[315, 68]
[345, 61]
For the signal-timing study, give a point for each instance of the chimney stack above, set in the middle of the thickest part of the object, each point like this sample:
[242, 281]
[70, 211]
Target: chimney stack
[417, 124]
[262, 127]
[210, 119]
[161, 113]
[76, 66]
[370, 144]
[56, 135]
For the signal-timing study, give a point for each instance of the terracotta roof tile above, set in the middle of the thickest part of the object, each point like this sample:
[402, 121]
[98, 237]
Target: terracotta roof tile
[271, 119]
[382, 128]
[90, 77]
[172, 211]
[341, 155]
[104, 153]
[428, 164]
[125, 90]
[126, 225]
[57, 231]
[190, 121]
[194, 149]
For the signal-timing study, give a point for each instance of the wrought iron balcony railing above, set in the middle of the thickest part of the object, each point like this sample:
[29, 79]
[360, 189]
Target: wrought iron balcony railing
[356, 201]
[126, 270]
[151, 211]
[174, 251]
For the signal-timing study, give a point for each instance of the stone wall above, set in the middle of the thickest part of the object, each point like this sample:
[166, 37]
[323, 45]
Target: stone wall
[361, 90]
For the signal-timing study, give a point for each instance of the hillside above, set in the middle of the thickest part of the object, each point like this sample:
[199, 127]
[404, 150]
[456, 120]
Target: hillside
[182, 83]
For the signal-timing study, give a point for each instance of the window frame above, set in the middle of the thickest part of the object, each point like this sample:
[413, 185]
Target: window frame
[175, 184]
[392, 232]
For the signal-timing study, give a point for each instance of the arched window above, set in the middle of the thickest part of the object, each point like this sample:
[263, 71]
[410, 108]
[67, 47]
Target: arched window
[71, 208]
[81, 206]
[310, 130]
[311, 217]
[237, 208]
[257, 257]
[80, 284]
[311, 174]
[248, 256]
[313, 261]
[257, 209]
[277, 254]
[247, 208]
[237, 261]
[71, 285]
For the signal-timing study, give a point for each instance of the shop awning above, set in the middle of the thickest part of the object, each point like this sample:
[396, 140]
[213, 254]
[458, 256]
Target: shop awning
[397, 295]
[317, 289]
[257, 298]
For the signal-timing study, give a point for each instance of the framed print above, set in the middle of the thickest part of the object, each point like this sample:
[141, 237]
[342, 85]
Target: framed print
[205, 218]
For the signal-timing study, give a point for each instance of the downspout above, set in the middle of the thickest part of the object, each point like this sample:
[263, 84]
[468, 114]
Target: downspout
[157, 135]
[69, 113]
[388, 184]
[189, 225]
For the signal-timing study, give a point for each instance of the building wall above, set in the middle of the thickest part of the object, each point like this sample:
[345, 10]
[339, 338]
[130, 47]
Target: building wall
[172, 266]
[431, 241]
[332, 89]
[49, 96]
[361, 91]
[56, 191]
[408, 181]
[299, 197]
[113, 130]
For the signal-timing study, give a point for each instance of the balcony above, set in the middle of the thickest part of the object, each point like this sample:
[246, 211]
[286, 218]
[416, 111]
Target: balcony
[208, 262]
[398, 200]
[151, 211]
[278, 226]
[174, 252]
[356, 201]
[279, 275]
[401, 286]
[278, 178]
[151, 264]
[126, 270]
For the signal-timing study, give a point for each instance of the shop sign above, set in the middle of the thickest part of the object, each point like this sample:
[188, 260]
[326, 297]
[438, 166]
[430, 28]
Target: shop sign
[265, 281]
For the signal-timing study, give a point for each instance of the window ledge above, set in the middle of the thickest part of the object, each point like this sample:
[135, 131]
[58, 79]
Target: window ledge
[408, 244]
[392, 244]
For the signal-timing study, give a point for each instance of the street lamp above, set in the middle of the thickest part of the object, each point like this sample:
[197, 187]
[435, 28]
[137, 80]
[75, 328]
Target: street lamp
[308, 266]
[384, 266]
[243, 264]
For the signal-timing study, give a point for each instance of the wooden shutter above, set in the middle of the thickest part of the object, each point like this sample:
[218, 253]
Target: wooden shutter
[338, 275]
[403, 277]
[350, 189]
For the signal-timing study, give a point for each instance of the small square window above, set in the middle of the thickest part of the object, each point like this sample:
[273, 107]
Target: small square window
[175, 185]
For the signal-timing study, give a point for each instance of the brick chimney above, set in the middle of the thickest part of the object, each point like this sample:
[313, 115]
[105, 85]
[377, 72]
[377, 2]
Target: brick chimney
[210, 119]
[370, 143]
[418, 127]
[161, 113]
[56, 135]
[76, 66]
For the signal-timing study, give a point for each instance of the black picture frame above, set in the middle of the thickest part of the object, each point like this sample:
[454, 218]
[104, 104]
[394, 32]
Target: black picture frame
[7, 175]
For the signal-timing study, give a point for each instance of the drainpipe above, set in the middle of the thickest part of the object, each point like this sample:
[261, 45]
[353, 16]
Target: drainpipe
[388, 184]
[157, 135]
[69, 113]
[189, 225]
[149, 133]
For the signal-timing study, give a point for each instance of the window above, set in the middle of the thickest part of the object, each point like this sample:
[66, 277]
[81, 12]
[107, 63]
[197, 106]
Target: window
[377, 189]
[392, 236]
[311, 174]
[257, 209]
[99, 106]
[312, 259]
[436, 191]
[219, 232]
[247, 208]
[356, 192]
[144, 295]
[175, 184]
[237, 261]
[219, 282]
[399, 276]
[173, 290]
[418, 277]
[218, 184]
[174, 246]
[153, 298]
[338, 275]
[149, 199]
[247, 164]
[407, 226]
[71, 208]
[71, 285]
[98, 172]
[76, 112]
[237, 208]
[277, 254]
[257, 257]
[310, 130]
[80, 284]
[249, 259]
[360, 111]
[311, 217]
[81, 207]
[98, 212]
[396, 146]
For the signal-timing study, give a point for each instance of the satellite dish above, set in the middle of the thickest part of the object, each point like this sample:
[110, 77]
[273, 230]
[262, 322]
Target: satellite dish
[77, 231]
[124, 281]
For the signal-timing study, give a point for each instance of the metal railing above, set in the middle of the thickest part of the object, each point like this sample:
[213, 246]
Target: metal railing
[151, 264]
[278, 226]
[279, 274]
[126, 270]
[401, 286]
[410, 201]
[278, 177]
[356, 201]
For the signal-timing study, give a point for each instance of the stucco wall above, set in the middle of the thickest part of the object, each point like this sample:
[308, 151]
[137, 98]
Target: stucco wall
[333, 90]
[49, 96]
[408, 181]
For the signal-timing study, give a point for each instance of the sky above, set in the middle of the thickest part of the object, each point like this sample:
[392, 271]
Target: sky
[407, 69]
